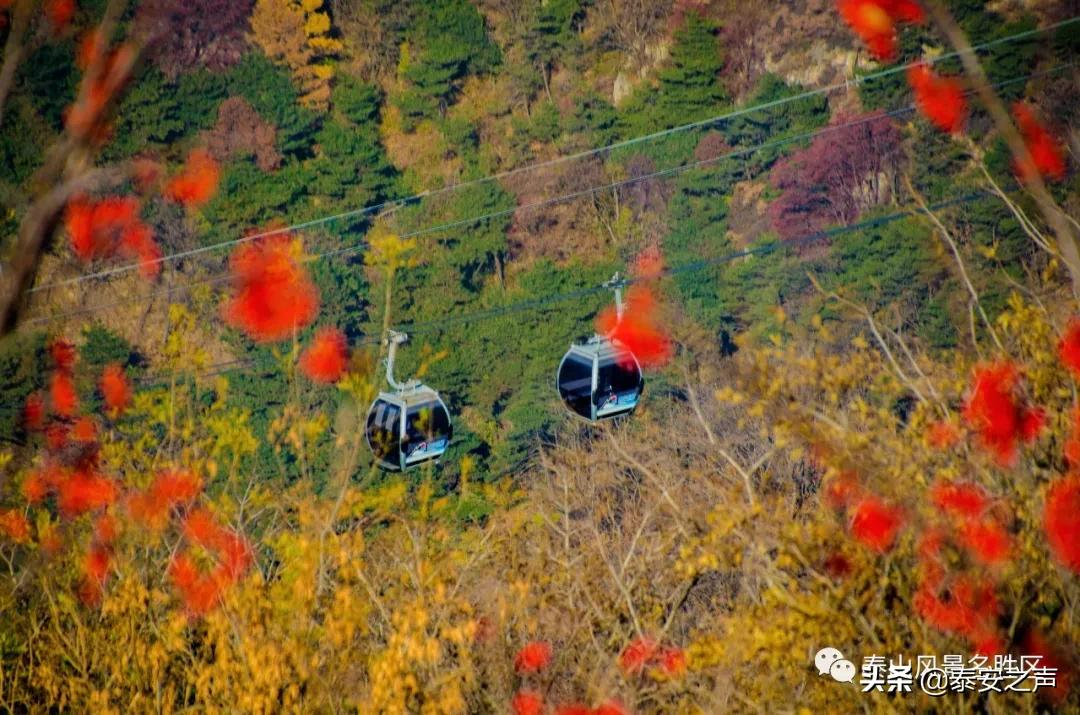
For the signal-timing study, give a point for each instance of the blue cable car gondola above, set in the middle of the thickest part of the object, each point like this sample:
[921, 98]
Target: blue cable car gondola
[408, 426]
[600, 379]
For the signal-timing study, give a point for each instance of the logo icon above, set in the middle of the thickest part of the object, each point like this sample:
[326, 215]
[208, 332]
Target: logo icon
[832, 662]
[842, 671]
[825, 658]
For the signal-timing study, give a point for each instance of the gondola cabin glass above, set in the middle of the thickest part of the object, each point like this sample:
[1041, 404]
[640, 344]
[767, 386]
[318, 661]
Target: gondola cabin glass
[599, 380]
[422, 435]
[384, 432]
[575, 384]
[427, 432]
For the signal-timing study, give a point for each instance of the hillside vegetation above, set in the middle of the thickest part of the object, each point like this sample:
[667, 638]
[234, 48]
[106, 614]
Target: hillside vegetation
[852, 282]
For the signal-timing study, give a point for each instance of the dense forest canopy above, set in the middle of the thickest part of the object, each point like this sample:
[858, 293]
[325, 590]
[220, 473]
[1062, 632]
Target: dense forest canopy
[215, 211]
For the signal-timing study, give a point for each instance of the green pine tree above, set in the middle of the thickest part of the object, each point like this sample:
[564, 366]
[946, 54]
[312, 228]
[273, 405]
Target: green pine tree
[451, 42]
[553, 37]
[690, 87]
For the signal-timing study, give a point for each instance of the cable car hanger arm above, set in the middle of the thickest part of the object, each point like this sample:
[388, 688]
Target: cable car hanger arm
[394, 339]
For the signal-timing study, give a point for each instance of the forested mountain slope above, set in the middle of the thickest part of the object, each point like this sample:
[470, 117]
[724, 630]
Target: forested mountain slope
[842, 275]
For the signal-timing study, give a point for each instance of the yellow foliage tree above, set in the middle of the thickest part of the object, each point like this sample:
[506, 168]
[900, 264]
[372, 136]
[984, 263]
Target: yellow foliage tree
[298, 34]
[689, 561]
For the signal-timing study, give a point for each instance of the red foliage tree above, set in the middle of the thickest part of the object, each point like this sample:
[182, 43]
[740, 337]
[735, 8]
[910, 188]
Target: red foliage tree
[639, 653]
[610, 707]
[327, 357]
[35, 487]
[1036, 643]
[34, 412]
[84, 429]
[171, 488]
[986, 540]
[65, 401]
[996, 413]
[942, 435]
[202, 590]
[673, 662]
[1072, 443]
[59, 13]
[1069, 347]
[273, 295]
[841, 173]
[63, 355]
[875, 523]
[940, 99]
[14, 525]
[875, 22]
[241, 131]
[527, 702]
[85, 490]
[962, 604]
[106, 74]
[533, 657]
[1061, 519]
[115, 389]
[197, 181]
[1045, 150]
[964, 499]
[638, 330]
[111, 226]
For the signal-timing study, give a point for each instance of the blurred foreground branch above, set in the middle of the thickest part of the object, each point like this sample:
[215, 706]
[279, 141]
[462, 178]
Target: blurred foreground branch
[1054, 215]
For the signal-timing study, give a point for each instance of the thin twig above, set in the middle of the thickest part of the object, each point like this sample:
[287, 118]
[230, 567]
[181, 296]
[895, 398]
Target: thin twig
[1017, 212]
[1054, 215]
[865, 312]
[959, 259]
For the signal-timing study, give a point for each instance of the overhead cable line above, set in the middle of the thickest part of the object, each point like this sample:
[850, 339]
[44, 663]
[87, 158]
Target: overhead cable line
[544, 203]
[397, 203]
[433, 326]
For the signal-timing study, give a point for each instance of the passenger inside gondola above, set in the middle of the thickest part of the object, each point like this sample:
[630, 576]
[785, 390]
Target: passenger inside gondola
[427, 432]
[617, 386]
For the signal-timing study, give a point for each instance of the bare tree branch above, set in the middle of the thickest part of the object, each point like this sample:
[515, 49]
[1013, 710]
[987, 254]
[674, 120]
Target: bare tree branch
[1054, 215]
[37, 226]
[65, 170]
[13, 49]
[959, 260]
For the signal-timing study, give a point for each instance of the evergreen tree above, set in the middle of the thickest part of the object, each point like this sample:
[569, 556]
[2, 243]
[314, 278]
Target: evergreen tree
[357, 101]
[480, 249]
[268, 89]
[553, 36]
[773, 124]
[49, 80]
[690, 86]
[449, 42]
[432, 81]
[155, 112]
[457, 28]
[594, 122]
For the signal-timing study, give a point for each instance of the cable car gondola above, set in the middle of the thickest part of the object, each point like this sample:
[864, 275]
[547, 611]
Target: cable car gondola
[408, 426]
[600, 379]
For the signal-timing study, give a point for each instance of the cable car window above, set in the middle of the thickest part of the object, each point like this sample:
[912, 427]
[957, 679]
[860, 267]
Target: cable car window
[440, 422]
[424, 425]
[615, 377]
[427, 432]
[575, 384]
[382, 429]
